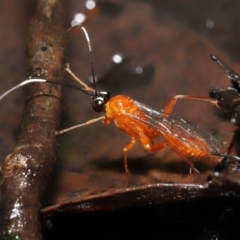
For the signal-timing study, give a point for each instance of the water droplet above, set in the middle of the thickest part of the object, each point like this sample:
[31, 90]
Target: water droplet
[233, 120]
[90, 4]
[117, 58]
[38, 72]
[209, 24]
[78, 19]
[139, 70]
[49, 224]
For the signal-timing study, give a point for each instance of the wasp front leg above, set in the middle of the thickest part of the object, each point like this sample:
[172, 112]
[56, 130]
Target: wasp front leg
[80, 125]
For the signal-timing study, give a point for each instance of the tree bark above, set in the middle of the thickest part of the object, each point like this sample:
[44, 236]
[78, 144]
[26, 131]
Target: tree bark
[28, 169]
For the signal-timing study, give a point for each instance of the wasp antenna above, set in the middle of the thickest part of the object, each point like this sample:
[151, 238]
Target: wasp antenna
[20, 85]
[220, 63]
[232, 75]
[86, 87]
[91, 57]
[72, 27]
[224, 155]
[43, 81]
[71, 86]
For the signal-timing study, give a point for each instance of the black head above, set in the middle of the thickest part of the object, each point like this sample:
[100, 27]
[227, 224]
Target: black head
[99, 101]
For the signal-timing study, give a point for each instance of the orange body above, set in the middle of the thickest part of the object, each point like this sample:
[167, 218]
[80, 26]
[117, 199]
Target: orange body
[117, 110]
[183, 137]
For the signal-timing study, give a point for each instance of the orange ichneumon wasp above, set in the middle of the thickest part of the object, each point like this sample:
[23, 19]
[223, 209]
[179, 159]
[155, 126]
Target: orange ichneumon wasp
[145, 124]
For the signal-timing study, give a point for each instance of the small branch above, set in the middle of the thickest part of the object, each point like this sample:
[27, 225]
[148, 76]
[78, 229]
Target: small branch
[28, 169]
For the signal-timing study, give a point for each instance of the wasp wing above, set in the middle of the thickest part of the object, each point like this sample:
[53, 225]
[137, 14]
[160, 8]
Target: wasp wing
[190, 134]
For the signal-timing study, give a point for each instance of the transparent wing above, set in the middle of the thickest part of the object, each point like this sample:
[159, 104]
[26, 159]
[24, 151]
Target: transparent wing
[190, 134]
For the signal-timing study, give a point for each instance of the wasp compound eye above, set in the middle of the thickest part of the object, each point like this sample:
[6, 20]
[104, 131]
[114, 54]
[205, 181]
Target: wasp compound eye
[98, 104]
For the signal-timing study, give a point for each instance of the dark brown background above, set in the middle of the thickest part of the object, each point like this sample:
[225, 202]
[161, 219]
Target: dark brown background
[169, 40]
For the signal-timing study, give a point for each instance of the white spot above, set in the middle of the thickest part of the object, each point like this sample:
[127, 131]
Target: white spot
[236, 76]
[16, 211]
[139, 70]
[233, 120]
[90, 4]
[117, 58]
[209, 24]
[78, 19]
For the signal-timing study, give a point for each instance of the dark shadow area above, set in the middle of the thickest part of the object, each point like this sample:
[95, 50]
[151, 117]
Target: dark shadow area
[171, 221]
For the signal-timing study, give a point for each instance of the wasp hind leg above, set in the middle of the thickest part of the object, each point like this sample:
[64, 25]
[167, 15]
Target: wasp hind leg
[156, 147]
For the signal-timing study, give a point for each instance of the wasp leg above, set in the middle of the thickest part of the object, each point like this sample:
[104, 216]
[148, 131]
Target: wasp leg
[159, 146]
[128, 147]
[168, 109]
[80, 125]
[86, 87]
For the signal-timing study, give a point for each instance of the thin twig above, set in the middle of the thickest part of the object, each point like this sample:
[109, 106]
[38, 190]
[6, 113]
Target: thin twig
[28, 169]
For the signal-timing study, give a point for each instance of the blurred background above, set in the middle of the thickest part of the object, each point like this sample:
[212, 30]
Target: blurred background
[148, 50]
